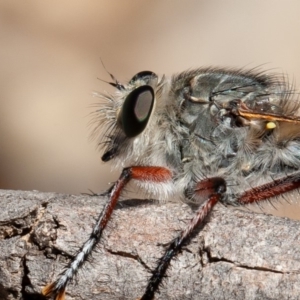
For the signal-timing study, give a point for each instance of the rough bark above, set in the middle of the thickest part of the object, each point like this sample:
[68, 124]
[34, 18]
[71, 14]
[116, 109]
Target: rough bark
[237, 255]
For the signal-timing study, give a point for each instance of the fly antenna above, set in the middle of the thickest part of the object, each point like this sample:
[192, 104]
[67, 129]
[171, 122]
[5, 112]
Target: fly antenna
[116, 83]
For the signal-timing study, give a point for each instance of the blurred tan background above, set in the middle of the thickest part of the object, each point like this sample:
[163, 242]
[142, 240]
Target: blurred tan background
[50, 60]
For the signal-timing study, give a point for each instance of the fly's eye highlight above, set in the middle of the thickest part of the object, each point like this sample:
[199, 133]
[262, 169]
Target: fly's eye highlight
[142, 75]
[136, 111]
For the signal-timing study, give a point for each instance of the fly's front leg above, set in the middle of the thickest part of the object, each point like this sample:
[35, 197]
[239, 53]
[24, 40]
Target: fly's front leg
[212, 189]
[151, 174]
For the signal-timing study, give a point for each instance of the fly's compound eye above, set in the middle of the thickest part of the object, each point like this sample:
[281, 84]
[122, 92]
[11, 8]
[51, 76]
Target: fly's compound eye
[143, 75]
[136, 111]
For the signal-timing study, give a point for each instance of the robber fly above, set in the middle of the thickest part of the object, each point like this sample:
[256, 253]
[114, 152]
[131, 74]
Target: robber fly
[205, 136]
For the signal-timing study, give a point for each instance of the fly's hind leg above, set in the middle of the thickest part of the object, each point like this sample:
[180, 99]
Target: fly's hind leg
[272, 189]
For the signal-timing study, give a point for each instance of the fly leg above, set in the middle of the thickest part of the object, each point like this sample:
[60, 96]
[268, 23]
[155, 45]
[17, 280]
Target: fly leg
[272, 189]
[212, 189]
[150, 174]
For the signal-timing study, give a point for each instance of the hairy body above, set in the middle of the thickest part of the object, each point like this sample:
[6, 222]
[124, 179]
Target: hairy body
[205, 135]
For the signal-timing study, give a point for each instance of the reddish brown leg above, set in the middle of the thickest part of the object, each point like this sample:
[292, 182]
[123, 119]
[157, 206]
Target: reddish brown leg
[213, 189]
[272, 189]
[154, 174]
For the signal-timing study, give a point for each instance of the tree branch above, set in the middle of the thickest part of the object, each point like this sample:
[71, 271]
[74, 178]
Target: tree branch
[237, 255]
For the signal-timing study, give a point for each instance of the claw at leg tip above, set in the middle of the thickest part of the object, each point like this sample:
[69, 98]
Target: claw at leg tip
[48, 290]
